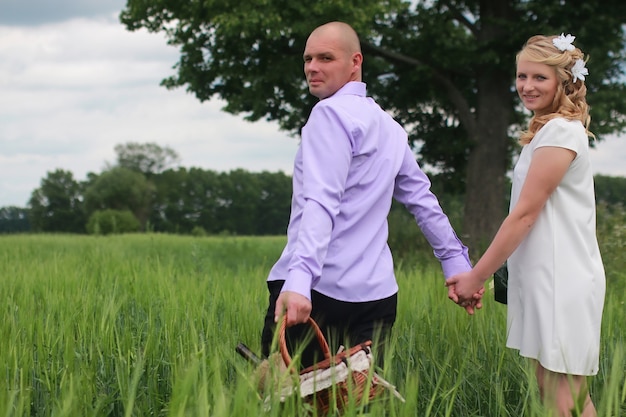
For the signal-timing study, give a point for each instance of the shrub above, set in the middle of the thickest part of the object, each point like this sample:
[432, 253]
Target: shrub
[104, 222]
[198, 231]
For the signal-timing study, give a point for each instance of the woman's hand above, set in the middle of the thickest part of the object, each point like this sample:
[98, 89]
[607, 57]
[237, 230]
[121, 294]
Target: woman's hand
[466, 289]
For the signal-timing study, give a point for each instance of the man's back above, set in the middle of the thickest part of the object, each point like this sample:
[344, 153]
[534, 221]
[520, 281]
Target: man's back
[350, 155]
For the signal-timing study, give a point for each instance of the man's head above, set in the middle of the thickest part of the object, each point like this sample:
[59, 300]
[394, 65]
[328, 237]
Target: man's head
[332, 58]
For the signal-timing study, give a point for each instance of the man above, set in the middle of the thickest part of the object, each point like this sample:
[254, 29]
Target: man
[353, 159]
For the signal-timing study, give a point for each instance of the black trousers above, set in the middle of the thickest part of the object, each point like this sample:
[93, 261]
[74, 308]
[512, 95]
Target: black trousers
[343, 323]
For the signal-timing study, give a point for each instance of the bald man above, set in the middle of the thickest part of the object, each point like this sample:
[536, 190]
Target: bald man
[353, 159]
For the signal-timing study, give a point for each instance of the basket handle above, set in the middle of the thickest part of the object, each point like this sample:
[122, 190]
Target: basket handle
[282, 341]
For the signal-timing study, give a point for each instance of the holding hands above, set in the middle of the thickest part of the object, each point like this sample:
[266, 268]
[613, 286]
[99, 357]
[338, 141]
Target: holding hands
[466, 289]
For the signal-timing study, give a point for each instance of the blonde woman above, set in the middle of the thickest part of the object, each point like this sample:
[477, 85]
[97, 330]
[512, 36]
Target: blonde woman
[556, 279]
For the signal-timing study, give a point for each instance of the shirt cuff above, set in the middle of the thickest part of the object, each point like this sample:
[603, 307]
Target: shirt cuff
[455, 265]
[298, 281]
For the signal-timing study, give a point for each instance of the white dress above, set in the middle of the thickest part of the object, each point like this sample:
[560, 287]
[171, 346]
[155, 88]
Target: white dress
[556, 277]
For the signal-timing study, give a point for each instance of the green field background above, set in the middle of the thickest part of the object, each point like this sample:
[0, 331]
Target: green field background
[146, 325]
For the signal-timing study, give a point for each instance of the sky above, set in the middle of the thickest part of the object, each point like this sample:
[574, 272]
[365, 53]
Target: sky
[74, 83]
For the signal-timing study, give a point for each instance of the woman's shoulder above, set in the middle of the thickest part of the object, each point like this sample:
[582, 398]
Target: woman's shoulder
[561, 127]
[561, 123]
[562, 133]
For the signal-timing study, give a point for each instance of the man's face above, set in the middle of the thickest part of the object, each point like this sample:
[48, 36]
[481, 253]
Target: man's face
[328, 65]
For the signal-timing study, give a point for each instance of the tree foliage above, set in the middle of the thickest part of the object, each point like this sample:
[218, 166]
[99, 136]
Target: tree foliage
[57, 206]
[185, 198]
[610, 190]
[237, 202]
[120, 189]
[106, 222]
[14, 220]
[145, 158]
[177, 200]
[443, 68]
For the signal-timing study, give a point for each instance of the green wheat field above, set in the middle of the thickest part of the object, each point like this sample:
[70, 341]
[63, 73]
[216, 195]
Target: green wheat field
[146, 325]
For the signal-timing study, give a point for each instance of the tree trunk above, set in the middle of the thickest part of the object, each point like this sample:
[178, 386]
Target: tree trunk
[485, 206]
[488, 161]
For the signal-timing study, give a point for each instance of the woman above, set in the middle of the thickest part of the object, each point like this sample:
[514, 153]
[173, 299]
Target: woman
[556, 279]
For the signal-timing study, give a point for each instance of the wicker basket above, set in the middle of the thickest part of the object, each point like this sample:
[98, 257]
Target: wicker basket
[331, 383]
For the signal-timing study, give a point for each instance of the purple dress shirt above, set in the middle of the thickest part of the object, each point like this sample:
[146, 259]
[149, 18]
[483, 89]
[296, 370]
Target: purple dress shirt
[352, 160]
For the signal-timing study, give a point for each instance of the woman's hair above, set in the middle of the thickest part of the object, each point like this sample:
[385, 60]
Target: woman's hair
[569, 100]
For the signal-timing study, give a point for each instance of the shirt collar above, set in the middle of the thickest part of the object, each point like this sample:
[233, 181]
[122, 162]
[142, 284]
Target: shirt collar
[356, 88]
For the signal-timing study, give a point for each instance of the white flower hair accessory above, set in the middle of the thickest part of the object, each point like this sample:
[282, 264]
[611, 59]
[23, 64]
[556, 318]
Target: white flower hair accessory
[564, 42]
[579, 70]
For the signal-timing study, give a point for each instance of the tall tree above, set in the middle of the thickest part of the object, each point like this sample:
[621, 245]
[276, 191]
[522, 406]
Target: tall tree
[274, 203]
[238, 198]
[120, 189]
[443, 68]
[57, 206]
[185, 199]
[146, 158]
[13, 220]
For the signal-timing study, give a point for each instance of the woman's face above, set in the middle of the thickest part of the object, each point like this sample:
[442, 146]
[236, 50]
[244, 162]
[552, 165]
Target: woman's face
[536, 86]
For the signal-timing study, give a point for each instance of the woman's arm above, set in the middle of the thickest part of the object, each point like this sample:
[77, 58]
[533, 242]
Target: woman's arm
[548, 167]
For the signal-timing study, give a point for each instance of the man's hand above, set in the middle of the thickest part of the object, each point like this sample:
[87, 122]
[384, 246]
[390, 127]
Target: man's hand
[296, 306]
[470, 305]
[466, 287]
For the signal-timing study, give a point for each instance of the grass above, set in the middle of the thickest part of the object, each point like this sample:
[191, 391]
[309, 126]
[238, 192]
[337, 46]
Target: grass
[146, 325]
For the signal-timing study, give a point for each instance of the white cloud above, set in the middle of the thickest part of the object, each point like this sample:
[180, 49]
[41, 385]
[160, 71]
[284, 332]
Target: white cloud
[609, 156]
[36, 12]
[73, 90]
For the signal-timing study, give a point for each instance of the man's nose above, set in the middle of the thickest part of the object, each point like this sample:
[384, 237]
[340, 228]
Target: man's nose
[312, 65]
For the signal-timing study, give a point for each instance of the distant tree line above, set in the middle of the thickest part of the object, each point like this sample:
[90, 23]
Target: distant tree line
[14, 220]
[610, 190]
[143, 192]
